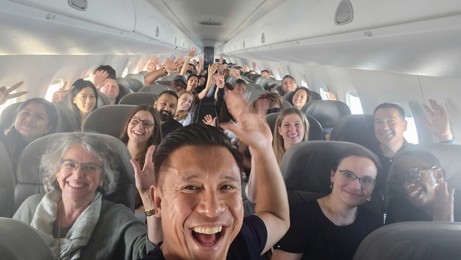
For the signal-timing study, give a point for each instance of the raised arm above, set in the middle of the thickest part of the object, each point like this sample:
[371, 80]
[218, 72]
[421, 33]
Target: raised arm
[5, 93]
[438, 122]
[211, 70]
[145, 178]
[190, 55]
[271, 195]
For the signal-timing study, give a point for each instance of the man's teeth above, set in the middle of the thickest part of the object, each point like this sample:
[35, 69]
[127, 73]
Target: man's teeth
[208, 230]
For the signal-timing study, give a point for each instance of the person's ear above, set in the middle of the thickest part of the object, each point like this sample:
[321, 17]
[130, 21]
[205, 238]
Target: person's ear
[438, 175]
[156, 196]
[332, 175]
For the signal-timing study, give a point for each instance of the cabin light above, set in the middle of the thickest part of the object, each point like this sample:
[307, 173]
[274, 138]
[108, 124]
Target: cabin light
[344, 13]
[80, 5]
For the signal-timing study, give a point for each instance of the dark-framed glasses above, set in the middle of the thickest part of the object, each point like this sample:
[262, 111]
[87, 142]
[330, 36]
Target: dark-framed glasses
[86, 168]
[413, 174]
[145, 123]
[366, 182]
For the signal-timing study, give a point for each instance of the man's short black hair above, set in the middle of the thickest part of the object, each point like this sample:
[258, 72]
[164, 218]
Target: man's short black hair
[168, 92]
[108, 69]
[391, 105]
[199, 135]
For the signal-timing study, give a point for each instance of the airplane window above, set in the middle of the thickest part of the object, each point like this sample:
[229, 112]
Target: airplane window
[54, 86]
[411, 135]
[125, 72]
[304, 83]
[323, 94]
[354, 104]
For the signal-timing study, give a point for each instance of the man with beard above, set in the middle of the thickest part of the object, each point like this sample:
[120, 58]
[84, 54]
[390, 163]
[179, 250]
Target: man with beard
[419, 190]
[166, 106]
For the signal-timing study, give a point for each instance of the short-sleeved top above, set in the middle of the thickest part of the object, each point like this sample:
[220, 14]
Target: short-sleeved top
[312, 234]
[169, 126]
[248, 244]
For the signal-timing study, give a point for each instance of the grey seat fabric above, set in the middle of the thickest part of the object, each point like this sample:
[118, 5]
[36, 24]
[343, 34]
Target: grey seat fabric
[29, 178]
[357, 129]
[156, 89]
[306, 168]
[327, 112]
[251, 95]
[109, 120]
[133, 83]
[19, 241]
[139, 98]
[315, 129]
[412, 241]
[7, 182]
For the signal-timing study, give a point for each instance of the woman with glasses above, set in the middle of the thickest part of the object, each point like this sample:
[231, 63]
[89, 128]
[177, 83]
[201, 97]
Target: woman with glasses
[418, 190]
[333, 226]
[73, 218]
[142, 130]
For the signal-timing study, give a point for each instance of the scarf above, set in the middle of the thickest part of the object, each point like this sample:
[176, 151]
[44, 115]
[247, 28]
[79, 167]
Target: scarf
[77, 236]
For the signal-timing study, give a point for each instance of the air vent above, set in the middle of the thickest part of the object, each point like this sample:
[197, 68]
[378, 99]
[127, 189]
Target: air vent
[210, 23]
[344, 13]
[80, 5]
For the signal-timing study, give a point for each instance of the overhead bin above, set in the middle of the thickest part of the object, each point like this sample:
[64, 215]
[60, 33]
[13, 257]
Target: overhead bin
[116, 14]
[153, 24]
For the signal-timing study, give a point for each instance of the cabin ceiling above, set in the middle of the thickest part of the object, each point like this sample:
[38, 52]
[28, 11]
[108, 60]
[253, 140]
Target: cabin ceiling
[233, 16]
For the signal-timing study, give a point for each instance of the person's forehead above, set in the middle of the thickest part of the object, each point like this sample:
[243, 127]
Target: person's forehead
[407, 162]
[387, 112]
[86, 90]
[291, 117]
[167, 98]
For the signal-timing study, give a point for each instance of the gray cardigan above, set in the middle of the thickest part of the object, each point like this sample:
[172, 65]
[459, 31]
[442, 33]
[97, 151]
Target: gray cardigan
[119, 234]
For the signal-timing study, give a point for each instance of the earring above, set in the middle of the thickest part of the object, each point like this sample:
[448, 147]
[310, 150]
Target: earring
[369, 198]
[331, 185]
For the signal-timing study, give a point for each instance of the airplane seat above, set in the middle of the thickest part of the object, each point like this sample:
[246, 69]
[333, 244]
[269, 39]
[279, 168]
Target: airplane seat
[253, 86]
[139, 98]
[231, 80]
[7, 182]
[312, 96]
[128, 84]
[271, 82]
[143, 73]
[163, 82]
[15, 236]
[412, 241]
[251, 95]
[262, 81]
[315, 129]
[67, 121]
[327, 112]
[157, 89]
[254, 77]
[357, 129]
[29, 176]
[306, 168]
[109, 120]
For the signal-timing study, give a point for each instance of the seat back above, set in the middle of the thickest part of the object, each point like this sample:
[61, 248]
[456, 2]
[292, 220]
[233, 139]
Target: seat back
[29, 177]
[306, 168]
[327, 112]
[134, 82]
[251, 95]
[15, 236]
[109, 120]
[315, 129]
[412, 241]
[7, 182]
[156, 89]
[139, 98]
[357, 129]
